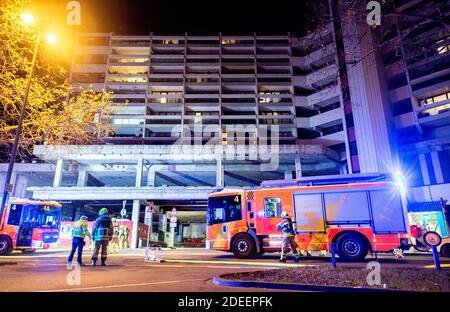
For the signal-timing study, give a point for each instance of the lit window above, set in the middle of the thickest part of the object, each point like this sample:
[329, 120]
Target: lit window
[272, 207]
[229, 41]
[117, 121]
[433, 100]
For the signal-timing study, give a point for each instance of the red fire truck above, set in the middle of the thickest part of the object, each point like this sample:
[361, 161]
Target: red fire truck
[28, 225]
[358, 213]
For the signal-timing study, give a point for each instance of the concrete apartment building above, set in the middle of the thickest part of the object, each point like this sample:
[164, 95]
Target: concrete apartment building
[325, 113]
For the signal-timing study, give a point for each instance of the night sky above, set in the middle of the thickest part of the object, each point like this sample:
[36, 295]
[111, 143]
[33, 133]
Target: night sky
[193, 16]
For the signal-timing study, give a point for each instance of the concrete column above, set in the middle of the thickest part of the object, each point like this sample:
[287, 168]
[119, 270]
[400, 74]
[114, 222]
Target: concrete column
[58, 173]
[424, 169]
[219, 173]
[151, 177]
[437, 167]
[151, 173]
[135, 219]
[13, 182]
[288, 175]
[139, 167]
[298, 167]
[82, 178]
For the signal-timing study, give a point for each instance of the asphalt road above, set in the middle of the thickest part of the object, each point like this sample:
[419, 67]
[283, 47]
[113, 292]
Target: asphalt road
[186, 270]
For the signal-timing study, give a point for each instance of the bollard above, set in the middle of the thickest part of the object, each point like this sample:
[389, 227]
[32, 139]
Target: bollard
[437, 262]
[333, 255]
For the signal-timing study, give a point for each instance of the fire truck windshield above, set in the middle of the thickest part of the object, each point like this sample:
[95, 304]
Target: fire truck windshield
[224, 209]
[42, 216]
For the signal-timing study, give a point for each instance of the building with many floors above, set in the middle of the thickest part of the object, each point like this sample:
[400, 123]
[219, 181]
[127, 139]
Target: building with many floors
[273, 107]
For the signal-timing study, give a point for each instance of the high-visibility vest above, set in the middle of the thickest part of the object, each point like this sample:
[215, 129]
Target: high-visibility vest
[80, 229]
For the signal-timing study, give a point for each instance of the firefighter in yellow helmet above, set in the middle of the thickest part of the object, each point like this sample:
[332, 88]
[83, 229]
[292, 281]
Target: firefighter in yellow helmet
[124, 232]
[102, 233]
[286, 226]
[114, 244]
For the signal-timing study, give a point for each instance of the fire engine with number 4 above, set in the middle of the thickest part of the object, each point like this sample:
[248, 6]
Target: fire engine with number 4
[357, 213]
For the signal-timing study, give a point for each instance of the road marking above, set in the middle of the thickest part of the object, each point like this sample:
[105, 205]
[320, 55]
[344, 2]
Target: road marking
[65, 256]
[120, 285]
[432, 266]
[249, 263]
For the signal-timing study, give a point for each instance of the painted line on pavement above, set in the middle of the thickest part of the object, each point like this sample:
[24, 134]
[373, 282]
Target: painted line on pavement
[120, 286]
[432, 266]
[241, 263]
[65, 256]
[214, 262]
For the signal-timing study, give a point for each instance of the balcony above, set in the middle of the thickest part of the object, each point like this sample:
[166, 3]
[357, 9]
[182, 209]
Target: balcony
[434, 115]
[89, 68]
[399, 94]
[330, 139]
[327, 117]
[323, 97]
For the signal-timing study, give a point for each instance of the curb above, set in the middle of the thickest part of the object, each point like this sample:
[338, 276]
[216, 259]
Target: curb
[300, 287]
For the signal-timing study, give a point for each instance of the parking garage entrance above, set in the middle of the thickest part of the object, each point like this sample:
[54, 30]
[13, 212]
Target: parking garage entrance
[152, 227]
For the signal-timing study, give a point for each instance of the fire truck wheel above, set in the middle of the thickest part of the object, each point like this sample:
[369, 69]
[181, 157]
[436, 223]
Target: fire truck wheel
[243, 246]
[5, 246]
[445, 250]
[351, 247]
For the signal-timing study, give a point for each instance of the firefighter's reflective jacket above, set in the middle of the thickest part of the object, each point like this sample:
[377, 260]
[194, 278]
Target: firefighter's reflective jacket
[286, 227]
[80, 229]
[103, 228]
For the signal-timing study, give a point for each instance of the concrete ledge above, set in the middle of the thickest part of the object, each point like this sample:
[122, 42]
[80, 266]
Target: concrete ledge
[300, 287]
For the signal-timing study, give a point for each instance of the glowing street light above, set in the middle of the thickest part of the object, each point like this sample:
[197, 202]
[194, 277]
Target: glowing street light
[28, 18]
[51, 38]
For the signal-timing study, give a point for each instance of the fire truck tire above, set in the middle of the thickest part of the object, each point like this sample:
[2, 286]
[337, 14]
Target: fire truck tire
[243, 246]
[351, 247]
[445, 250]
[5, 246]
[28, 251]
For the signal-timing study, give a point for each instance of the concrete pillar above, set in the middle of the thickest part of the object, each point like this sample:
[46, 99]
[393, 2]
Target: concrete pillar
[219, 173]
[82, 178]
[13, 182]
[139, 167]
[135, 219]
[298, 167]
[151, 176]
[424, 169]
[437, 167]
[58, 173]
[288, 175]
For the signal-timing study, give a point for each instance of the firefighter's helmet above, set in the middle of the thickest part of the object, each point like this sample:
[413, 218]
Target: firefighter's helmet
[103, 211]
[285, 214]
[84, 218]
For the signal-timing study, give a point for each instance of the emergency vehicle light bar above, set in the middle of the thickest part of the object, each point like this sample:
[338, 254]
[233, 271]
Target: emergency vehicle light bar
[329, 179]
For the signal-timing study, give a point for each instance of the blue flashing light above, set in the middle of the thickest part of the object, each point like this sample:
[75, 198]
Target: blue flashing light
[400, 182]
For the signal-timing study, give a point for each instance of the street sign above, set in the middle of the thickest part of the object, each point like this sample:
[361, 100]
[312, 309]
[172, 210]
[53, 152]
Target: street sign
[173, 216]
[149, 209]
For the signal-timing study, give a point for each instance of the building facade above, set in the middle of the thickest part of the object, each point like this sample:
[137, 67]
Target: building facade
[204, 112]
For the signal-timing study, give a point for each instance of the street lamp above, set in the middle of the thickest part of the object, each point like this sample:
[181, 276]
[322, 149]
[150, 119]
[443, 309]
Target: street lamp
[51, 38]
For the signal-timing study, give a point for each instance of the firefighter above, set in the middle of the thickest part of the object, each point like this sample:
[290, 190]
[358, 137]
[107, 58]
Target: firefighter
[286, 226]
[79, 232]
[124, 232]
[102, 232]
[114, 245]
